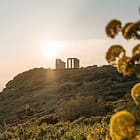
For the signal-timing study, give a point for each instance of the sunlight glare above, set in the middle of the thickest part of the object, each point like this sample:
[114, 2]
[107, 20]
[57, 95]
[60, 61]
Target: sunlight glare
[51, 49]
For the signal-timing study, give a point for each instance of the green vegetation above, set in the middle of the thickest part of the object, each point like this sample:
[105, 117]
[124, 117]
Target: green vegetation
[77, 130]
[82, 110]
[81, 106]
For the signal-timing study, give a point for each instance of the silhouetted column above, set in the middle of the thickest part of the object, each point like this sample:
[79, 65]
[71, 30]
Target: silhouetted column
[60, 64]
[72, 63]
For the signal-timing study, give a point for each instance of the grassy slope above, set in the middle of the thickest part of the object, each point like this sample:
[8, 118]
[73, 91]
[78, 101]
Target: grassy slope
[42, 90]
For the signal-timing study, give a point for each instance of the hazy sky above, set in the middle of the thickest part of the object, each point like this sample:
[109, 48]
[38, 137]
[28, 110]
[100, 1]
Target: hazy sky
[26, 25]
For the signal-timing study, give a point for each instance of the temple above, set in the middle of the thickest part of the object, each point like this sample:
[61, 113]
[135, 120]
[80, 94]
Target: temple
[73, 63]
[59, 64]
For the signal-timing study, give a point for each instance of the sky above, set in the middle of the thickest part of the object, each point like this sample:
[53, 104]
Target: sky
[75, 27]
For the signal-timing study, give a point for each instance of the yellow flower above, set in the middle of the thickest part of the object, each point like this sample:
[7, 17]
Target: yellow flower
[135, 93]
[122, 125]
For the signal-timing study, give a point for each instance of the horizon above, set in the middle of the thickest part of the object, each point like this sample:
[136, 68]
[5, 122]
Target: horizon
[76, 26]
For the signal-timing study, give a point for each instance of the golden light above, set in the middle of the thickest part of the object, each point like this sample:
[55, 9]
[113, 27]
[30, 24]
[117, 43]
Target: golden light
[51, 49]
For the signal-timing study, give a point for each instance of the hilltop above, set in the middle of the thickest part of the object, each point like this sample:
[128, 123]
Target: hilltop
[40, 91]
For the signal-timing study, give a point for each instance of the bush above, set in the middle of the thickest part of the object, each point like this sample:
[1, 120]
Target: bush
[80, 106]
[49, 119]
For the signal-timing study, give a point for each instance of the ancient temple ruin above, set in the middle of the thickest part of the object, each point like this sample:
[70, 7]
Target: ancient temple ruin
[59, 64]
[73, 63]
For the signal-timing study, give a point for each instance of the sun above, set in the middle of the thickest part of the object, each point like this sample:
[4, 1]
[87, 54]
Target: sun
[51, 49]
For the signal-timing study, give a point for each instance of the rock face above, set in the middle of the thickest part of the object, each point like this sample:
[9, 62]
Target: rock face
[40, 91]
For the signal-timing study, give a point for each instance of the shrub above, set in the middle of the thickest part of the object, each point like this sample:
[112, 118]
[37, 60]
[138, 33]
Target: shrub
[80, 106]
[49, 119]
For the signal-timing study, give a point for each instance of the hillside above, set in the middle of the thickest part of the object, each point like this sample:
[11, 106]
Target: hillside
[40, 91]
